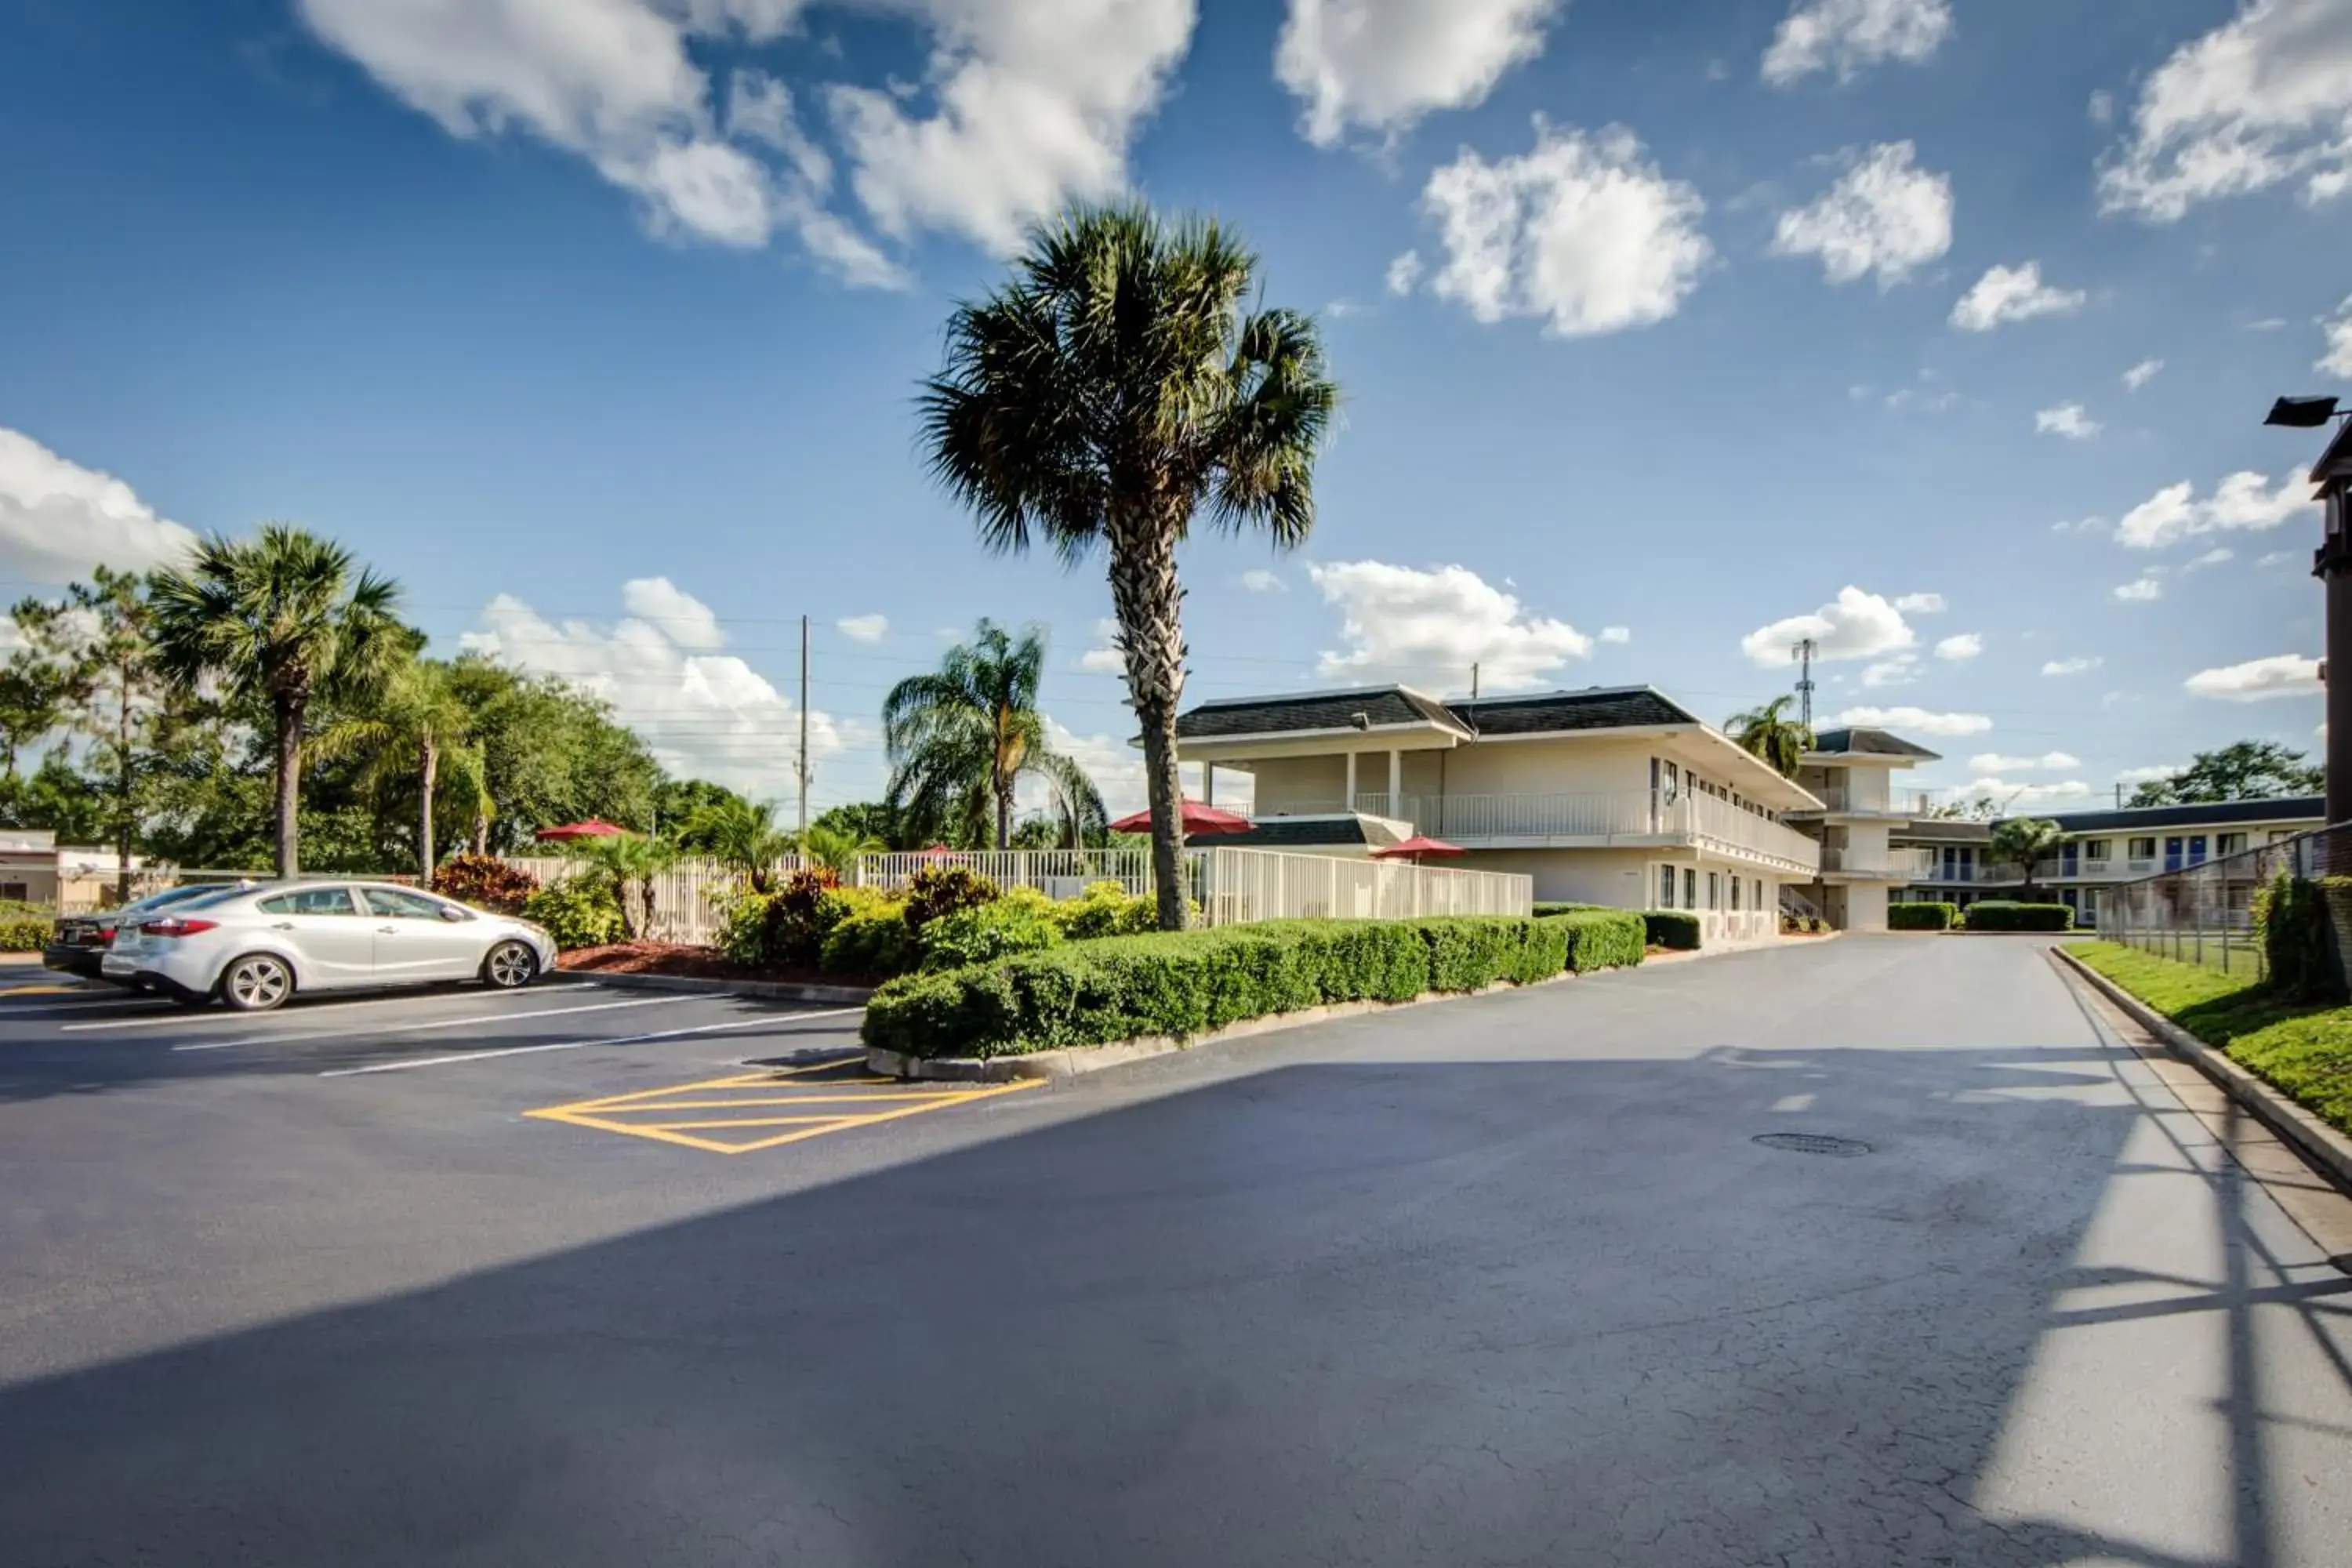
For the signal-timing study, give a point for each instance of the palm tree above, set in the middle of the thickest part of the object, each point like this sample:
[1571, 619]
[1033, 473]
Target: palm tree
[631, 861]
[836, 850]
[745, 837]
[2027, 840]
[1112, 388]
[279, 620]
[960, 740]
[421, 726]
[1769, 733]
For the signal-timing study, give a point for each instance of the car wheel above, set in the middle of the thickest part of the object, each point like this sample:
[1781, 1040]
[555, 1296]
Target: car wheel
[256, 982]
[510, 966]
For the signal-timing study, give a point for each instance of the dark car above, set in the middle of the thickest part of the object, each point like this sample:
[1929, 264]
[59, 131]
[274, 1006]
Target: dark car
[78, 943]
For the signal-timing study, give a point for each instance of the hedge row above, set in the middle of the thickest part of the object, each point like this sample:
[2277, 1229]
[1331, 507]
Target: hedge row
[2001, 914]
[1602, 939]
[1922, 917]
[1677, 929]
[1190, 982]
[24, 934]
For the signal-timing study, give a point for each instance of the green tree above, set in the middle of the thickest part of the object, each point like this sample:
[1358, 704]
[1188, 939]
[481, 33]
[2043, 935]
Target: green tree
[281, 620]
[1113, 388]
[2028, 841]
[961, 739]
[837, 849]
[419, 727]
[631, 861]
[1769, 733]
[744, 836]
[32, 691]
[867, 819]
[2245, 770]
[677, 803]
[553, 753]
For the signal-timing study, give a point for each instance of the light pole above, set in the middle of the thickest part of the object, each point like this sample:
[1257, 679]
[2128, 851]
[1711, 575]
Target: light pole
[2332, 564]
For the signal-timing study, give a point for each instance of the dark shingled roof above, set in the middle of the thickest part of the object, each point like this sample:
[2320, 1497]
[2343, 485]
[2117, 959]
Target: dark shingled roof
[1860, 741]
[1940, 830]
[1311, 711]
[1288, 833]
[1596, 708]
[2290, 808]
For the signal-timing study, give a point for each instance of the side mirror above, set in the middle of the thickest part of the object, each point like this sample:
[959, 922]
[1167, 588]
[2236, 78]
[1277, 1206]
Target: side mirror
[452, 914]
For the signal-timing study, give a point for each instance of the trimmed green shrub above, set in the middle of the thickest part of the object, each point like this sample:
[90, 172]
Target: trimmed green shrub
[2004, 914]
[23, 933]
[1602, 939]
[1107, 909]
[798, 915]
[1921, 917]
[579, 911]
[987, 931]
[1190, 982]
[2292, 921]
[1675, 928]
[874, 942]
[486, 882]
[1543, 910]
[937, 891]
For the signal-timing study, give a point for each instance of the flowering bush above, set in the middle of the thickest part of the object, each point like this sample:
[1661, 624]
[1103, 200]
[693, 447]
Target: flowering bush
[486, 882]
[937, 891]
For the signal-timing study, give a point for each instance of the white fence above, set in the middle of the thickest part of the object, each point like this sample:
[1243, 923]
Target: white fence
[1231, 885]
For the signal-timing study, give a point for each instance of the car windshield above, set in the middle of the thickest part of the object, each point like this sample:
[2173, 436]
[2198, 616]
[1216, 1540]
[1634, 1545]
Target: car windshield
[168, 896]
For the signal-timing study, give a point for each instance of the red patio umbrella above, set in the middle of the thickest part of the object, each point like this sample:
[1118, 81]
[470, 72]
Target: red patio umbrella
[1416, 847]
[1200, 821]
[594, 827]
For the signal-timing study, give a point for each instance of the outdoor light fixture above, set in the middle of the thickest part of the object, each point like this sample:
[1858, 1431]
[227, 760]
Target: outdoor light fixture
[2302, 413]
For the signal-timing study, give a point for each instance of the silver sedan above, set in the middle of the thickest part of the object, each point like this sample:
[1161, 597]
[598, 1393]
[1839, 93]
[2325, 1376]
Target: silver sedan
[253, 947]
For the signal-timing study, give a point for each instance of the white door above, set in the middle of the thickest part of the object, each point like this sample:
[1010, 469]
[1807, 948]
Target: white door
[416, 940]
[325, 928]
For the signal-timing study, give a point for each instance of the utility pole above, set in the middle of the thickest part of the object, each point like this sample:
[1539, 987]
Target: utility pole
[802, 768]
[1474, 683]
[1804, 654]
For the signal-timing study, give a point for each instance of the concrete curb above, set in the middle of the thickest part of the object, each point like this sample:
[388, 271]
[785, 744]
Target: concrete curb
[2326, 1148]
[768, 990]
[1077, 1061]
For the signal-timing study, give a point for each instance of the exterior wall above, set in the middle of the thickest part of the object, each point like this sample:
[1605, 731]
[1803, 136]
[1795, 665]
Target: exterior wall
[1629, 880]
[1612, 877]
[37, 872]
[1295, 786]
[1866, 907]
[1561, 766]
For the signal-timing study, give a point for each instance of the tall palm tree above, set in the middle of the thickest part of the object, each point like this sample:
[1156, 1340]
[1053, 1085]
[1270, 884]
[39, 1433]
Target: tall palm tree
[744, 836]
[2028, 841]
[836, 850]
[420, 726]
[1769, 733]
[961, 739]
[279, 620]
[1114, 387]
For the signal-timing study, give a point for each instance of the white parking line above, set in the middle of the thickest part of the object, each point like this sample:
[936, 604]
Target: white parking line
[429, 1024]
[178, 1016]
[773, 1018]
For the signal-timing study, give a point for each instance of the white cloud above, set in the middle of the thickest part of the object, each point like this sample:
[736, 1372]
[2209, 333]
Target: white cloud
[2213, 557]
[1617, 634]
[2068, 419]
[2140, 374]
[58, 518]
[676, 614]
[1430, 626]
[2149, 774]
[1920, 604]
[1380, 65]
[1581, 231]
[1919, 721]
[1883, 216]
[1902, 669]
[2142, 589]
[2101, 107]
[1104, 657]
[2240, 502]
[2337, 360]
[2263, 99]
[2075, 666]
[1848, 36]
[2012, 795]
[703, 714]
[1258, 580]
[2049, 762]
[864, 628]
[2080, 525]
[1034, 103]
[2258, 679]
[2277, 558]
[1964, 646]
[1855, 624]
[1404, 272]
[2012, 294]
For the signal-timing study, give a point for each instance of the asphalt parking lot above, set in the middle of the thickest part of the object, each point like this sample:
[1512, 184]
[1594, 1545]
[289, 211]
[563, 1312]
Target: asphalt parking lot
[576, 1276]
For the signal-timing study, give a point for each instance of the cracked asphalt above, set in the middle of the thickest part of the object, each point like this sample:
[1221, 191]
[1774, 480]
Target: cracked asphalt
[1504, 1280]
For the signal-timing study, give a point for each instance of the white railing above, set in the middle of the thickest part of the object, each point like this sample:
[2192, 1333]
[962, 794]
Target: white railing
[1869, 862]
[1619, 817]
[1246, 885]
[1720, 826]
[1837, 797]
[1056, 873]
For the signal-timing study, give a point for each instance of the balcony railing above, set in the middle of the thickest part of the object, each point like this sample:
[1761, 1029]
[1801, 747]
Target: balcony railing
[2115, 868]
[1887, 863]
[1621, 817]
[1840, 797]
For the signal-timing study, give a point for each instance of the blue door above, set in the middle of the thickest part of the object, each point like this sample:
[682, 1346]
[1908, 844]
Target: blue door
[2066, 860]
[2196, 849]
[2172, 853]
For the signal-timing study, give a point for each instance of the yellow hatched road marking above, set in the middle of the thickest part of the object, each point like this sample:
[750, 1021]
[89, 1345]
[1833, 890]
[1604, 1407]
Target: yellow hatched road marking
[892, 1101]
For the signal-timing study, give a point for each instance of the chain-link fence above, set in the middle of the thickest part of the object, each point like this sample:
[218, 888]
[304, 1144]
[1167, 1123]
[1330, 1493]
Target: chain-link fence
[2205, 914]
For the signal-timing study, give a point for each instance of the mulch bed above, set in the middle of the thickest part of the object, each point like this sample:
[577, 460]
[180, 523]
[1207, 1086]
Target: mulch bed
[687, 963]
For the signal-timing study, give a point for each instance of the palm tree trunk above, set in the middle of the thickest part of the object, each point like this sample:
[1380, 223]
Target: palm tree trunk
[1148, 604]
[425, 812]
[1004, 793]
[123, 813]
[288, 714]
[481, 834]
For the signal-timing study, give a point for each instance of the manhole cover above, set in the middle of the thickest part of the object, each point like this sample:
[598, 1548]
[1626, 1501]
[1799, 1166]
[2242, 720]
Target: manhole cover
[1814, 1144]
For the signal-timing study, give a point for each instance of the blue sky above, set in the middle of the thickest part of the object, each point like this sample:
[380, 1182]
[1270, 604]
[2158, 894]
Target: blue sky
[1667, 334]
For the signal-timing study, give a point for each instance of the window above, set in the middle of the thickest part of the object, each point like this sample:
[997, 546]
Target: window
[1714, 890]
[1666, 886]
[21, 892]
[2095, 849]
[1759, 905]
[1673, 783]
[2141, 850]
[2230, 844]
[1734, 895]
[399, 904]
[309, 901]
[1690, 887]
